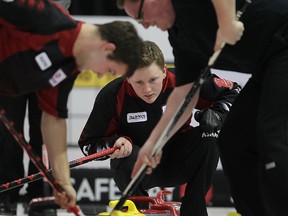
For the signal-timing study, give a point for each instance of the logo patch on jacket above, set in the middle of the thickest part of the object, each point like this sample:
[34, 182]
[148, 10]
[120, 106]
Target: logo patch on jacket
[223, 83]
[43, 61]
[137, 117]
[57, 77]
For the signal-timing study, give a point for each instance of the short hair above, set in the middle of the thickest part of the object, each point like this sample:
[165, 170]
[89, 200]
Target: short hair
[127, 41]
[150, 53]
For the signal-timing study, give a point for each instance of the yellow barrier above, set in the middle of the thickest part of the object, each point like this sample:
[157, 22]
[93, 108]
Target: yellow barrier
[132, 210]
[88, 78]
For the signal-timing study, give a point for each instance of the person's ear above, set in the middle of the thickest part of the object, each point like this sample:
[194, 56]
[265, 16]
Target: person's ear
[165, 72]
[109, 46]
[128, 80]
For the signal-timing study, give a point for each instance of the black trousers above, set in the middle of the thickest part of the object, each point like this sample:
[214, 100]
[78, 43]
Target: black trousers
[186, 158]
[11, 162]
[253, 143]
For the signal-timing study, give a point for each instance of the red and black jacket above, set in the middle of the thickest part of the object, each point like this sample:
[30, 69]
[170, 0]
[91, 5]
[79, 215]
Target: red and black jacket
[37, 37]
[118, 111]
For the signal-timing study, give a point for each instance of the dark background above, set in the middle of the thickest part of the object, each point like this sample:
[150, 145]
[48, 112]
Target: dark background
[95, 7]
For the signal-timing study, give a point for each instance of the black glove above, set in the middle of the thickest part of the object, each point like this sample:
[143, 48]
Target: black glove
[209, 121]
[96, 146]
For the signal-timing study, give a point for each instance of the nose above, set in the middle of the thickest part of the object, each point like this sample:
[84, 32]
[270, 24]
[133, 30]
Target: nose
[146, 88]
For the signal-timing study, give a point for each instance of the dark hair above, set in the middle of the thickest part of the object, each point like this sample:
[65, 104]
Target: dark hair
[127, 41]
[150, 53]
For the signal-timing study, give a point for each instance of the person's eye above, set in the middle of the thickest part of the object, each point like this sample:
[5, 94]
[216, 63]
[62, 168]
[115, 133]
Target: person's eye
[139, 83]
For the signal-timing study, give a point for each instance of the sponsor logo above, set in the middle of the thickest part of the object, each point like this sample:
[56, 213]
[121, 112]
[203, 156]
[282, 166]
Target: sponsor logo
[106, 189]
[137, 117]
[223, 83]
[102, 187]
[213, 134]
[57, 77]
[97, 185]
[43, 61]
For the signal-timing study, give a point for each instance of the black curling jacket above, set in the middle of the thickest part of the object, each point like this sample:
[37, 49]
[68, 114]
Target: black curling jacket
[118, 111]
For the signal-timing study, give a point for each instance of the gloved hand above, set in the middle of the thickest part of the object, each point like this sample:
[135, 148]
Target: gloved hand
[209, 121]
